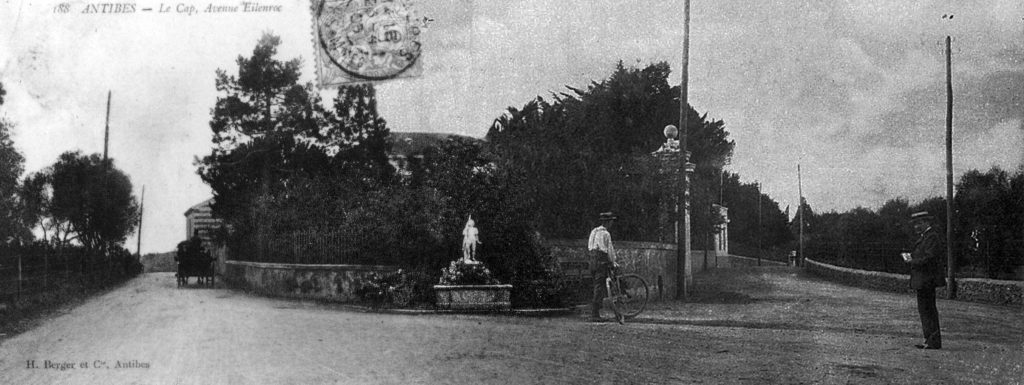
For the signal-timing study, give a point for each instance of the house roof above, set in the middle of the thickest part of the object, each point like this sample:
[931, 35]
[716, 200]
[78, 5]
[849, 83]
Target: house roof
[199, 206]
[412, 143]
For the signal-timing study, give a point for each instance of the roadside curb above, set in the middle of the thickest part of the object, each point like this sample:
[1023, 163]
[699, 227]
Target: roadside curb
[543, 312]
[540, 312]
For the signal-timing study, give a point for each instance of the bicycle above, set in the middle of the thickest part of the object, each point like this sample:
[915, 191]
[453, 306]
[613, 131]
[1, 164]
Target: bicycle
[627, 294]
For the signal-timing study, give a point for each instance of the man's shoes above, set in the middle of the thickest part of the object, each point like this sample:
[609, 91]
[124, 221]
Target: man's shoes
[927, 347]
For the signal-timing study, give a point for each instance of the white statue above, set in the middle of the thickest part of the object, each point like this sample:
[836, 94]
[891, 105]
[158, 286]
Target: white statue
[470, 238]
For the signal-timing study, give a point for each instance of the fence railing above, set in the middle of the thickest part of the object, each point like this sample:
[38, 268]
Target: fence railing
[313, 247]
[25, 273]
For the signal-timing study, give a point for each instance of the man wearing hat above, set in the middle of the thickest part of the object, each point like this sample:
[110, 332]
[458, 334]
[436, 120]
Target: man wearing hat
[925, 276]
[602, 260]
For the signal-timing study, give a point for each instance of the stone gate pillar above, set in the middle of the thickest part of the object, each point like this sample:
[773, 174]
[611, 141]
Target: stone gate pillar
[668, 178]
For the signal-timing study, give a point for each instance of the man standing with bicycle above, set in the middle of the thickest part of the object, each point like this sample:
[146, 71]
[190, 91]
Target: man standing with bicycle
[602, 260]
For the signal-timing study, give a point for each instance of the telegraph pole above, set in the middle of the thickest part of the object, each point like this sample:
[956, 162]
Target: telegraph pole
[106, 132]
[950, 262]
[800, 209]
[760, 227]
[142, 210]
[682, 233]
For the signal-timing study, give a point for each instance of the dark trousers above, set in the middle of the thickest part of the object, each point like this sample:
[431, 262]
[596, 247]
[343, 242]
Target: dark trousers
[929, 317]
[600, 290]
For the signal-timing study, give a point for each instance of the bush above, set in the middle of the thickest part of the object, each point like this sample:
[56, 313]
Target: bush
[398, 289]
[551, 291]
[459, 273]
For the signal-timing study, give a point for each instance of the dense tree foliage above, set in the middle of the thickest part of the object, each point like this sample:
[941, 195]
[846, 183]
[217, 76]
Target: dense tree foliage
[990, 225]
[988, 228]
[461, 170]
[94, 198]
[80, 198]
[12, 165]
[13, 228]
[755, 219]
[280, 160]
[34, 195]
[587, 151]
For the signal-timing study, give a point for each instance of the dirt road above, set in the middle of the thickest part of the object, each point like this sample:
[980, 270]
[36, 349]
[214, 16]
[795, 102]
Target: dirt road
[743, 326]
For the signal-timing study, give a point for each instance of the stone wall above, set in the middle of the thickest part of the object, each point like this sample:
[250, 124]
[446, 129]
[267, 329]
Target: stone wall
[969, 289]
[328, 282]
[655, 262]
[738, 261]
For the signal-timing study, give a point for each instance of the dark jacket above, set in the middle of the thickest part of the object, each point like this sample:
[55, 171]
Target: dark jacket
[926, 267]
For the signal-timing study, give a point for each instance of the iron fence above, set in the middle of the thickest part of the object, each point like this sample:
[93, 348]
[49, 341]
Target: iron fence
[31, 271]
[313, 247]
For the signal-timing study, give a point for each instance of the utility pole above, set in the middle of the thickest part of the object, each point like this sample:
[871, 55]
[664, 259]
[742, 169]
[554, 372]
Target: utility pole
[800, 209]
[142, 210]
[760, 227]
[950, 262]
[106, 132]
[682, 232]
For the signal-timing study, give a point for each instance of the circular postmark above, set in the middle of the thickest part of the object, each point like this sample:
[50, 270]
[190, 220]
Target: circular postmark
[369, 39]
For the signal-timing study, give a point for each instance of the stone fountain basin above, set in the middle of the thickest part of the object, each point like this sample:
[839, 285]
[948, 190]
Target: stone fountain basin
[473, 297]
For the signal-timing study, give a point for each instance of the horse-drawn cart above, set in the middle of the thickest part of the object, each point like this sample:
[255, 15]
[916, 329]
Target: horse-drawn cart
[194, 261]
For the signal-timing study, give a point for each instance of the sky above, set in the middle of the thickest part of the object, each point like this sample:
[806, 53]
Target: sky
[853, 91]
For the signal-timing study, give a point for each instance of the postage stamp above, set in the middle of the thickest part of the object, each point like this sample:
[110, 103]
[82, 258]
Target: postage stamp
[357, 41]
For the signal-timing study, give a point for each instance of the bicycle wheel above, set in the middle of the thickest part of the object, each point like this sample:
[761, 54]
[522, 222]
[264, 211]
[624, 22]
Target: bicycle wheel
[630, 295]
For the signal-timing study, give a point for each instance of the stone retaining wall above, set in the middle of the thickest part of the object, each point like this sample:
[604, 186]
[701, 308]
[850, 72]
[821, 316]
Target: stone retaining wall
[655, 262]
[738, 261]
[329, 282]
[969, 289]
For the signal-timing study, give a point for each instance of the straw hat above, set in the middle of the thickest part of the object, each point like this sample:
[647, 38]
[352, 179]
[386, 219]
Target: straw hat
[921, 216]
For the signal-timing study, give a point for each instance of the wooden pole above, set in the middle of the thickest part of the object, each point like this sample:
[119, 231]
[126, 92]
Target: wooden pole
[759, 226]
[106, 132]
[142, 210]
[682, 233]
[800, 209]
[950, 262]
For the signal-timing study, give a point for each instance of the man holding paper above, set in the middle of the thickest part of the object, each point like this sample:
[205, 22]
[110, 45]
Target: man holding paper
[925, 275]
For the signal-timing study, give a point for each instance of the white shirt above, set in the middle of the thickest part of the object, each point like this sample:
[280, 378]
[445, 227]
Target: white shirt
[600, 239]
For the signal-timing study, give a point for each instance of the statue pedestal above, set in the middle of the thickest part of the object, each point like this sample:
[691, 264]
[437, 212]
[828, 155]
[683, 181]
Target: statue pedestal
[455, 298]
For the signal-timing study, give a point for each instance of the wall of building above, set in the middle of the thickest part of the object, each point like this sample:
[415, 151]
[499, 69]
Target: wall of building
[201, 218]
[325, 282]
[655, 262]
[969, 289]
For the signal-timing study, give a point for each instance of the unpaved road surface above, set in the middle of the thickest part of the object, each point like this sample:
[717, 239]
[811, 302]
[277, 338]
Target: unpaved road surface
[743, 326]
